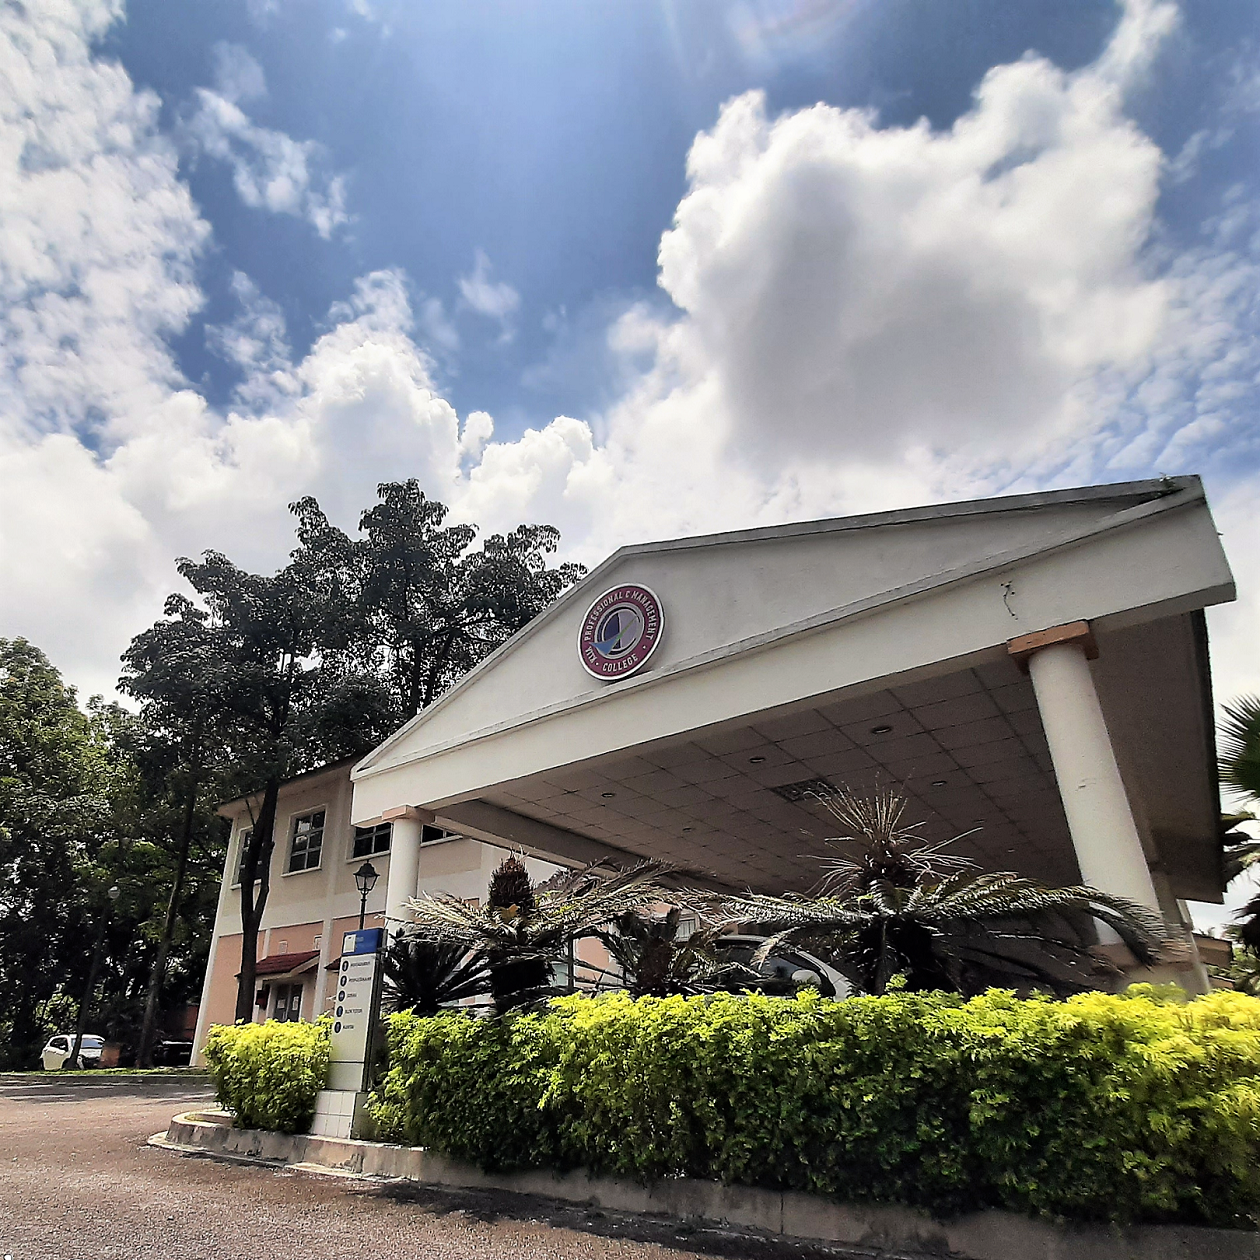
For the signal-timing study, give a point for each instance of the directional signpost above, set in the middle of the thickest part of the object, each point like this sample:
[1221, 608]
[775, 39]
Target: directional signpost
[355, 1014]
[356, 1009]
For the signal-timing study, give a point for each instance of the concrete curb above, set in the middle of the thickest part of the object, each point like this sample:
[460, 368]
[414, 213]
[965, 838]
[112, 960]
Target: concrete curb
[989, 1235]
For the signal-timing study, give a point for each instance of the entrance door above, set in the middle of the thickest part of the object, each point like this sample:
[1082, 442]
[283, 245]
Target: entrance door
[288, 1003]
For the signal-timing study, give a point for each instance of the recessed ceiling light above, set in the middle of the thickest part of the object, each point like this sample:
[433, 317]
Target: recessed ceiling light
[881, 730]
[940, 782]
[608, 795]
[755, 761]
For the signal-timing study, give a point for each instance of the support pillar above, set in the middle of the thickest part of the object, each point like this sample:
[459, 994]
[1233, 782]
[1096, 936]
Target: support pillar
[404, 858]
[1104, 835]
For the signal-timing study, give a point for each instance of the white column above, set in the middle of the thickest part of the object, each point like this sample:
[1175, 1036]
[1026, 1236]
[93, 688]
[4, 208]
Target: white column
[404, 860]
[1108, 849]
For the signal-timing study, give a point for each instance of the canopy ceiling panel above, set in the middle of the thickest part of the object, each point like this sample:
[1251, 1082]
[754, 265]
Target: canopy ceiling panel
[966, 749]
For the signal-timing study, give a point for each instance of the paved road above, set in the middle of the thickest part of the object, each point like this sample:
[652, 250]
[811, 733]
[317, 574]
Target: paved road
[78, 1183]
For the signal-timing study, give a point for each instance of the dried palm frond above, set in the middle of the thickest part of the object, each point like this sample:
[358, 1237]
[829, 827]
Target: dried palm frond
[890, 851]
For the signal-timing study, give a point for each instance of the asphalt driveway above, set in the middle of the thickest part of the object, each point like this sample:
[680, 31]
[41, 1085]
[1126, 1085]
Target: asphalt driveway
[77, 1182]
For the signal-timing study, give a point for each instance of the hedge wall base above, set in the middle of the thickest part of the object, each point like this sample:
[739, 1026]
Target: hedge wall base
[989, 1235]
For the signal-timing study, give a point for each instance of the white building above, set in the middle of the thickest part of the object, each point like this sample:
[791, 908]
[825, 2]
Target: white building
[1033, 666]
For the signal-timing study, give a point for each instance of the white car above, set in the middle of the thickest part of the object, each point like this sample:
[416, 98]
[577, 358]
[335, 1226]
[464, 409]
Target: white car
[57, 1051]
[785, 972]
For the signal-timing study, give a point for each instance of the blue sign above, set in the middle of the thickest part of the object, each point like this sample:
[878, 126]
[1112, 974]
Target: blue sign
[365, 941]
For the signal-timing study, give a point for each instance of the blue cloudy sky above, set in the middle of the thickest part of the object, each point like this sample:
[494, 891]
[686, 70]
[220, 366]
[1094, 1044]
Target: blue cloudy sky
[636, 268]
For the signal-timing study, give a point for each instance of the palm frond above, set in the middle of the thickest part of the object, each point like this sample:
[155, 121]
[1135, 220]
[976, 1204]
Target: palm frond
[1240, 746]
[906, 906]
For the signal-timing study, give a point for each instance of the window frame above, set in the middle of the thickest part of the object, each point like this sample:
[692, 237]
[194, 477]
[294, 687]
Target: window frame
[242, 839]
[295, 820]
[358, 833]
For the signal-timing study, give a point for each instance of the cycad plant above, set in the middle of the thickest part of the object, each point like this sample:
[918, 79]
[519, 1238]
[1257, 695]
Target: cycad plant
[655, 963]
[908, 908]
[523, 931]
[422, 976]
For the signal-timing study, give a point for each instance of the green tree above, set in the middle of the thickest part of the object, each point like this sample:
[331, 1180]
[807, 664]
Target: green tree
[256, 678]
[244, 666]
[67, 798]
[422, 977]
[412, 601]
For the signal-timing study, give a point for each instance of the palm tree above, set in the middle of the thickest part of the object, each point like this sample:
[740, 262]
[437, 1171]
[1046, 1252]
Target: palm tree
[654, 962]
[1240, 746]
[1240, 770]
[906, 907]
[523, 931]
[422, 977]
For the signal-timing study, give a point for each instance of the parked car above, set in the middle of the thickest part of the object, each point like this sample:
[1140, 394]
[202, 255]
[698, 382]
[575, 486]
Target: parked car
[57, 1051]
[172, 1053]
[784, 972]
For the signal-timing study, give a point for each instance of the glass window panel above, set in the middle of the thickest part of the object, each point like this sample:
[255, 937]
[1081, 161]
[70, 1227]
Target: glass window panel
[307, 842]
[246, 836]
[369, 841]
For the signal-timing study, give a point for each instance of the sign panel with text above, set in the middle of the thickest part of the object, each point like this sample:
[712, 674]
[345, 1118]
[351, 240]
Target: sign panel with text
[355, 1009]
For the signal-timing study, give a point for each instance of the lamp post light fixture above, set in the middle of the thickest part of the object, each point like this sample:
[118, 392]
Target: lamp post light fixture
[365, 880]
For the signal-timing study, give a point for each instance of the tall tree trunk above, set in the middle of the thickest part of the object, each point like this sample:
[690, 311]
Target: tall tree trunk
[157, 974]
[85, 1003]
[255, 870]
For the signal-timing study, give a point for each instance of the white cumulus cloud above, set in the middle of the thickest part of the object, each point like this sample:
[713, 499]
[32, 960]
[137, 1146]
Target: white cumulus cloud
[862, 317]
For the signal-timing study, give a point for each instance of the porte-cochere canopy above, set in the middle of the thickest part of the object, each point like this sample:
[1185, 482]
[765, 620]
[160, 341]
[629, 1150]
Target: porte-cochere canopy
[1031, 670]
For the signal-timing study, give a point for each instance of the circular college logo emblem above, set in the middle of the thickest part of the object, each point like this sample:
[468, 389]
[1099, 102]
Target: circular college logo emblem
[620, 631]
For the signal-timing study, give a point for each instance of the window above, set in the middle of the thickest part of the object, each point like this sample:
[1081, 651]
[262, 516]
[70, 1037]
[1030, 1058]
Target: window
[246, 836]
[61, 1043]
[430, 835]
[369, 841]
[288, 1003]
[307, 842]
[562, 971]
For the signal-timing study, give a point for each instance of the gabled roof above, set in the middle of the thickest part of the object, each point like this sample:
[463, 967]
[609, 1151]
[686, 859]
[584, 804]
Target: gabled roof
[989, 534]
[276, 965]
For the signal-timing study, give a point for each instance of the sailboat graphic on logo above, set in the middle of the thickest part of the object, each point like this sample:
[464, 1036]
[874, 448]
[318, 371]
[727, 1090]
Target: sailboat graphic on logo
[618, 633]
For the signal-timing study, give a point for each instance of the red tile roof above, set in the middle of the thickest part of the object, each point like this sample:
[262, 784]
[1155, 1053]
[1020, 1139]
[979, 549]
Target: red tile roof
[281, 964]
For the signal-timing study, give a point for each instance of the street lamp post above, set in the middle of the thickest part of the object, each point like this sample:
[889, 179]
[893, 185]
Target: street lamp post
[365, 880]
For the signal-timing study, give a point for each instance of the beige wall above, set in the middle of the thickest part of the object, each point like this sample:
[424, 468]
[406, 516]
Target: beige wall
[314, 909]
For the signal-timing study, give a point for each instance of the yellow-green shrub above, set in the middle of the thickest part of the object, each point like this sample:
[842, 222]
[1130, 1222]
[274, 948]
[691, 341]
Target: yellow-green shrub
[268, 1074]
[1101, 1107]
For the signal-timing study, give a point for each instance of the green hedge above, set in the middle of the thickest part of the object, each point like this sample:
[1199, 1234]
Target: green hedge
[1102, 1107]
[268, 1074]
